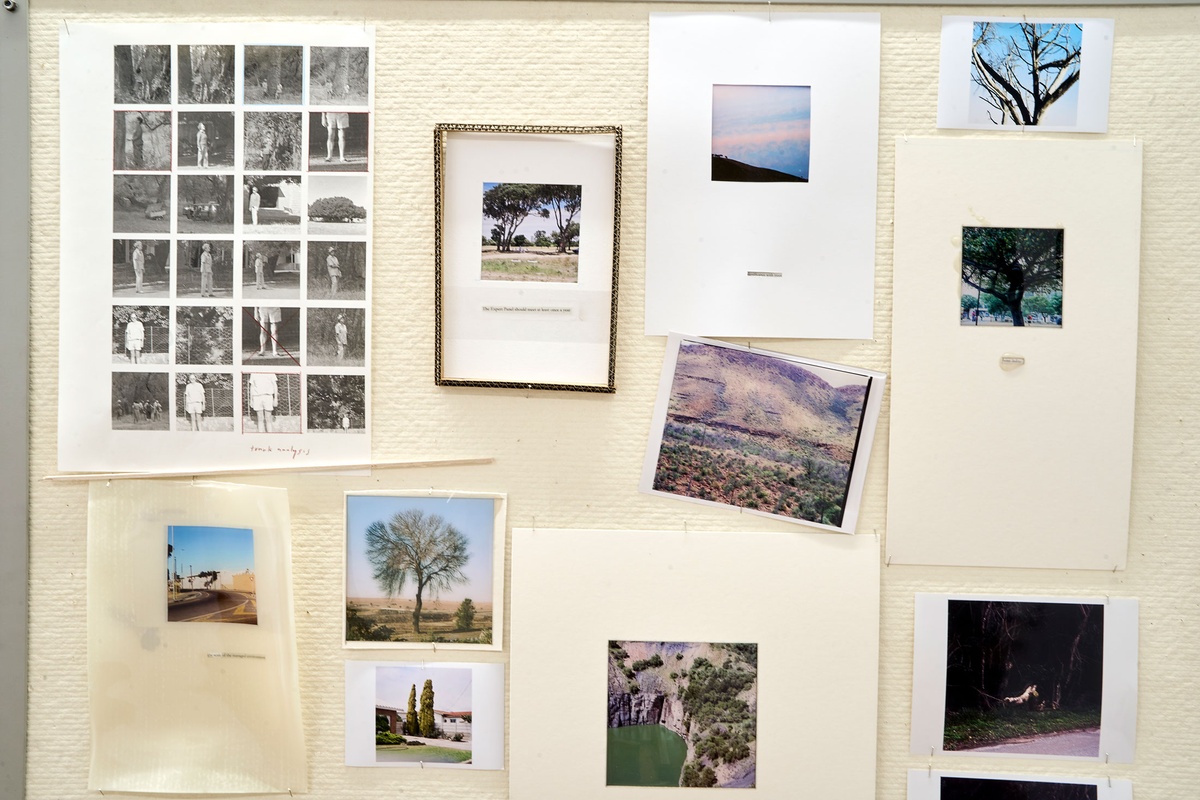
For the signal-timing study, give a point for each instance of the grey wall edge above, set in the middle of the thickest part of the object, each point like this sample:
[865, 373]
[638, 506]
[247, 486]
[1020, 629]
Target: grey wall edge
[14, 391]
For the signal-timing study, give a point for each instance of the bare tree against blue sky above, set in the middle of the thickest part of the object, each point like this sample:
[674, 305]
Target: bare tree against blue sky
[1022, 69]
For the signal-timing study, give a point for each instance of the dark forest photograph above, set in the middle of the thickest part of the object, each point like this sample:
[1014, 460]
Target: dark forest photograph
[1002, 789]
[1024, 677]
[337, 404]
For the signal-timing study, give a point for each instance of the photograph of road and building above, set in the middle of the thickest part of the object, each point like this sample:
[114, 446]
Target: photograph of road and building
[210, 575]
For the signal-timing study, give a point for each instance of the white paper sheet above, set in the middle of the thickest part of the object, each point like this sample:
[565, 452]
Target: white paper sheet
[795, 595]
[1084, 108]
[186, 694]
[1028, 467]
[527, 331]
[1118, 716]
[762, 259]
[271, 385]
[374, 687]
[927, 784]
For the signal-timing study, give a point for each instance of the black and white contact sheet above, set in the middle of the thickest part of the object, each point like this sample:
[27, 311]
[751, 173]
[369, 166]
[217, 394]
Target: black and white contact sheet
[255, 322]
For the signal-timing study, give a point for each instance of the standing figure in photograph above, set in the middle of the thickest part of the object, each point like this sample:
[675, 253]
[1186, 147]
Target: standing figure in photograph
[139, 265]
[264, 394]
[339, 334]
[335, 121]
[193, 401]
[135, 334]
[335, 270]
[206, 271]
[268, 316]
[255, 199]
[260, 262]
[137, 142]
[201, 146]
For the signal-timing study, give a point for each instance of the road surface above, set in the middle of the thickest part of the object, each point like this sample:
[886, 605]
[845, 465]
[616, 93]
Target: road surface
[1071, 743]
[214, 605]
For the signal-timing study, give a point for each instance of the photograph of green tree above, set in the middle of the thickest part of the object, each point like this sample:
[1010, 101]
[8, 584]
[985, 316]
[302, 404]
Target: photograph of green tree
[531, 232]
[1012, 277]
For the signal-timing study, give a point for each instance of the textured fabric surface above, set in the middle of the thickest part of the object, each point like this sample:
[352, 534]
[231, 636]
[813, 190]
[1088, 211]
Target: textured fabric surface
[571, 460]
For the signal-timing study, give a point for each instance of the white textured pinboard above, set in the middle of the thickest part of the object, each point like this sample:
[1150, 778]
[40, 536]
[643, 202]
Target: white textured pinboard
[572, 461]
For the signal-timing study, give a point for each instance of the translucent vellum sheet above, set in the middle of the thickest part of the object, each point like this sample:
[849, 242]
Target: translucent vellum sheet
[192, 649]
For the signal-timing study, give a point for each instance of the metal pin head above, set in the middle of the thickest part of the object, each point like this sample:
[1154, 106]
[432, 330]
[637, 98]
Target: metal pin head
[10, 5]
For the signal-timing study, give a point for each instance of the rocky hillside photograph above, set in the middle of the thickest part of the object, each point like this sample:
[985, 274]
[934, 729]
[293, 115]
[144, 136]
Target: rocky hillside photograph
[682, 714]
[761, 432]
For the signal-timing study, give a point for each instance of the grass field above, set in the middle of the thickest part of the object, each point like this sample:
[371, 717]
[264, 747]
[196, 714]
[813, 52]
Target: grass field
[545, 266]
[437, 619]
[968, 729]
[429, 752]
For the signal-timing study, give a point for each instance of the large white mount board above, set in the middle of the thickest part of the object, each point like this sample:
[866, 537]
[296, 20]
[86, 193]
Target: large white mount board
[1028, 467]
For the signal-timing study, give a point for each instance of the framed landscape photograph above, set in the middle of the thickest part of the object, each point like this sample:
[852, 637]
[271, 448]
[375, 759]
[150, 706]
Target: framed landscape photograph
[766, 433]
[526, 254]
[425, 570]
[1027, 677]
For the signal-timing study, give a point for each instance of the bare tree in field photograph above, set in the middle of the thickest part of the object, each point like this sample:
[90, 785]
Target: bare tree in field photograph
[761, 432]
[273, 75]
[531, 232]
[1024, 677]
[272, 140]
[142, 73]
[1025, 73]
[337, 403]
[206, 74]
[1002, 789]
[1012, 277]
[761, 134]
[419, 569]
[339, 76]
[141, 140]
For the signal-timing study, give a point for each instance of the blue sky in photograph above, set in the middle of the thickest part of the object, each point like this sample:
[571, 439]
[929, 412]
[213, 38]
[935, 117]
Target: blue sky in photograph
[765, 126]
[451, 686]
[472, 516]
[206, 548]
[1064, 111]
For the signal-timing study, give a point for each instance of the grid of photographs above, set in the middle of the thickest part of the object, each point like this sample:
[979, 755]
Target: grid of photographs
[241, 242]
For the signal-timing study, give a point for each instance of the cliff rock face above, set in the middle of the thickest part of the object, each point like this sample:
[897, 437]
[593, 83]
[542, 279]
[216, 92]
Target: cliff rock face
[634, 709]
